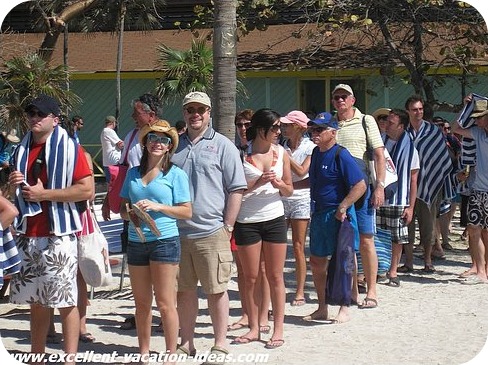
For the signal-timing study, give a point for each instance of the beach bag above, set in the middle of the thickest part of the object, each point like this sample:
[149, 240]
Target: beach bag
[93, 255]
[117, 177]
[382, 243]
[341, 267]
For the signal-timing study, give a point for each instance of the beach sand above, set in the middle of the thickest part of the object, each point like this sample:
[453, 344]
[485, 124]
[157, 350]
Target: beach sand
[429, 319]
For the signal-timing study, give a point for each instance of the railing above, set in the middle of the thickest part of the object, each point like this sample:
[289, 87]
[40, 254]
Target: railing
[95, 150]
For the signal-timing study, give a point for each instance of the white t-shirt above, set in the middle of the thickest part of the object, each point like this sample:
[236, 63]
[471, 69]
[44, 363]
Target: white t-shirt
[110, 152]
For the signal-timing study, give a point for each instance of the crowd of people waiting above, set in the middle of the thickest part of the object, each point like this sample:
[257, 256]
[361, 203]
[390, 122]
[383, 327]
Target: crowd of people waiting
[213, 201]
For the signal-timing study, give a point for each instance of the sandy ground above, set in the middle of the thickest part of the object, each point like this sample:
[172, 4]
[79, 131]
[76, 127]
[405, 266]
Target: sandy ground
[430, 319]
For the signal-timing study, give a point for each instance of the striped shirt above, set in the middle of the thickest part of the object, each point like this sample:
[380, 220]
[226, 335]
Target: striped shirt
[352, 135]
[435, 163]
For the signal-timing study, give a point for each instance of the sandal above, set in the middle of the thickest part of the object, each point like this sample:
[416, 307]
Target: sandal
[87, 337]
[182, 350]
[405, 269]
[394, 282]
[298, 302]
[265, 329]
[428, 269]
[129, 324]
[368, 303]
[274, 344]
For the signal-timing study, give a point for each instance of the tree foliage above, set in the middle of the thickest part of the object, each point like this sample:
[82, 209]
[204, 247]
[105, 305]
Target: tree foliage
[404, 32]
[26, 77]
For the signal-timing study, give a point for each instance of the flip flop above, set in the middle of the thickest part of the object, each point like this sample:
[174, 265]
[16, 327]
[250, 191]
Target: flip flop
[129, 324]
[236, 326]
[405, 269]
[182, 350]
[394, 282]
[243, 340]
[298, 302]
[368, 303]
[87, 337]
[274, 344]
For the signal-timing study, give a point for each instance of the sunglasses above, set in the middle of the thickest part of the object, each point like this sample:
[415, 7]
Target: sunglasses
[275, 128]
[154, 138]
[316, 130]
[339, 97]
[245, 125]
[200, 110]
[38, 113]
[447, 128]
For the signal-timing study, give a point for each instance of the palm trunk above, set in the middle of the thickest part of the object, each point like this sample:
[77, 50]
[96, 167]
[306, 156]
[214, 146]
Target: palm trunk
[224, 59]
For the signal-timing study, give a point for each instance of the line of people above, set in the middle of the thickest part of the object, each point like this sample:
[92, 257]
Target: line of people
[201, 192]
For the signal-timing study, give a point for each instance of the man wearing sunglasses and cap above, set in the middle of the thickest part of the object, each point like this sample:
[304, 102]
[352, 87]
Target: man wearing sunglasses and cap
[357, 138]
[217, 183]
[51, 174]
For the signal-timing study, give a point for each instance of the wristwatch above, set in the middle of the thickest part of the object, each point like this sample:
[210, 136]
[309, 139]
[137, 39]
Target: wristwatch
[342, 210]
[382, 184]
[229, 228]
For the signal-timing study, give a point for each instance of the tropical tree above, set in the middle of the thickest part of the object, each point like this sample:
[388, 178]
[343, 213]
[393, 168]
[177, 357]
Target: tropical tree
[26, 77]
[225, 60]
[184, 70]
[398, 33]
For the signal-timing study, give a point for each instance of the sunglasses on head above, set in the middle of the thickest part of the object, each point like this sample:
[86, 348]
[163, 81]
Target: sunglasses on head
[200, 110]
[154, 138]
[38, 113]
[245, 125]
[339, 97]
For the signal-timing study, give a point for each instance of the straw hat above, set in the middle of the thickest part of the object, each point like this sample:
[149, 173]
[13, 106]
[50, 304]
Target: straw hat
[11, 136]
[161, 126]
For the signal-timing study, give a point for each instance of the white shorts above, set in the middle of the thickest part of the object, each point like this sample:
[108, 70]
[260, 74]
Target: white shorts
[297, 206]
[47, 272]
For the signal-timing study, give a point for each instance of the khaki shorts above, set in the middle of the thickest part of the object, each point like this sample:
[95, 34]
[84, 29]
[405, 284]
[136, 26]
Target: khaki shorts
[208, 260]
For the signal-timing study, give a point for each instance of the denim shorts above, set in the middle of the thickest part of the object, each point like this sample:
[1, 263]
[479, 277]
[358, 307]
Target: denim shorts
[366, 215]
[166, 250]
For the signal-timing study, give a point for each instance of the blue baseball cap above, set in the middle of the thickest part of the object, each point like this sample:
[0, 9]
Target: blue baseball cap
[324, 119]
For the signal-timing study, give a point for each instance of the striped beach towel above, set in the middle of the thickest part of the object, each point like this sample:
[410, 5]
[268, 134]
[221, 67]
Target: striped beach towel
[435, 163]
[468, 153]
[9, 256]
[61, 154]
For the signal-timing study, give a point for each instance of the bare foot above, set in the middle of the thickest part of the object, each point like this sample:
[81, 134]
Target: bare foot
[467, 273]
[342, 316]
[318, 315]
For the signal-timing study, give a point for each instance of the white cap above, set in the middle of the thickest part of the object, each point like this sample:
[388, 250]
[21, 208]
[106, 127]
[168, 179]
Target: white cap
[343, 87]
[197, 97]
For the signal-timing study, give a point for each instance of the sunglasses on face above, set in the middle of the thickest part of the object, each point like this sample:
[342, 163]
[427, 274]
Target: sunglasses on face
[245, 125]
[275, 128]
[154, 138]
[316, 130]
[339, 97]
[200, 110]
[38, 113]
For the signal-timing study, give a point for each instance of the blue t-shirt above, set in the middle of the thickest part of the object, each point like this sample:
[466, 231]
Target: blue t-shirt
[170, 189]
[329, 183]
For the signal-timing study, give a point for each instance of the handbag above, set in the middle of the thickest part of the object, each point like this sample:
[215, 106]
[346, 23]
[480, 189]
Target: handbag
[117, 177]
[93, 256]
[341, 267]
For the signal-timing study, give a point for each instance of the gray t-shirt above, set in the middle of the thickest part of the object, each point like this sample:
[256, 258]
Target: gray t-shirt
[214, 168]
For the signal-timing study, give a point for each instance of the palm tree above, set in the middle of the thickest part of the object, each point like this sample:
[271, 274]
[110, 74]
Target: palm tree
[26, 77]
[184, 71]
[225, 59]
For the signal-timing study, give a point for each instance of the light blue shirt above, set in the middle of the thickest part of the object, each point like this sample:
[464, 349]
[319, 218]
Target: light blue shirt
[170, 189]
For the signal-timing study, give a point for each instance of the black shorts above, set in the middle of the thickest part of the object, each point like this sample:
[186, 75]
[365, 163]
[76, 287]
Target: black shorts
[270, 231]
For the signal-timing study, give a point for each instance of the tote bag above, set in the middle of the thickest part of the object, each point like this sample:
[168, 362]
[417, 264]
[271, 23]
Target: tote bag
[93, 255]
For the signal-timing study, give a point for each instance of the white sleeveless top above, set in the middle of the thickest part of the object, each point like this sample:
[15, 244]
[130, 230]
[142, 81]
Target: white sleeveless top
[264, 203]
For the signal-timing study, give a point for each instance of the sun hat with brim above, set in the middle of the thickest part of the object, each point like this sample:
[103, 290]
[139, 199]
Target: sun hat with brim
[480, 108]
[381, 111]
[295, 117]
[11, 136]
[324, 119]
[44, 104]
[197, 97]
[161, 126]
